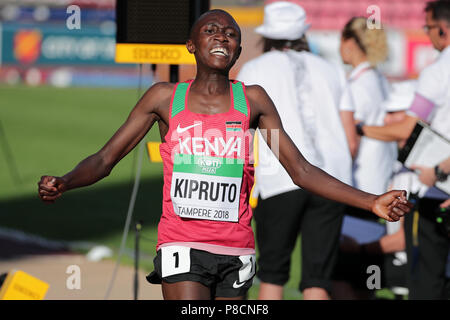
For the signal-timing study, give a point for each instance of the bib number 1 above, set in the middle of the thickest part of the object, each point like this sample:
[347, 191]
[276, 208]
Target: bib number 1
[175, 260]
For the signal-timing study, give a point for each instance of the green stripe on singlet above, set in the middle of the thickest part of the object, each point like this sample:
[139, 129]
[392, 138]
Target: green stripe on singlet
[178, 104]
[240, 103]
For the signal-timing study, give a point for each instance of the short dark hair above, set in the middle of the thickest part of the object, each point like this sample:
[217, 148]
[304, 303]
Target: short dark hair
[196, 22]
[440, 9]
[297, 45]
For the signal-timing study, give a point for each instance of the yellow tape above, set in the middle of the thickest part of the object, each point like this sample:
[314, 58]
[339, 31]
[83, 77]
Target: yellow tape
[416, 229]
[19, 285]
[254, 200]
[153, 151]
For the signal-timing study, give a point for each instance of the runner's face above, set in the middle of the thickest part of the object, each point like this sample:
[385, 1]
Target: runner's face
[216, 41]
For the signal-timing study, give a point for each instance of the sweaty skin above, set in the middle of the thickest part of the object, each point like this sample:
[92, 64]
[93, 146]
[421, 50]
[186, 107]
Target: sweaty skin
[210, 94]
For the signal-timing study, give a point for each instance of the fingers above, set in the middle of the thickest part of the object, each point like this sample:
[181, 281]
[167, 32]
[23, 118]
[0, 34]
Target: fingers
[393, 215]
[405, 195]
[445, 204]
[401, 196]
[45, 195]
[405, 207]
[398, 207]
[392, 205]
[50, 198]
[398, 211]
[49, 195]
[52, 182]
[390, 196]
[48, 189]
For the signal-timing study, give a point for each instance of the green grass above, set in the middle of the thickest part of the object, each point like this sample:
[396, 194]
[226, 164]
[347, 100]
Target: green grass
[48, 131]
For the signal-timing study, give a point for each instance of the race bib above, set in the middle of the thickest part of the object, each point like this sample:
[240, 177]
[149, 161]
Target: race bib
[175, 260]
[205, 187]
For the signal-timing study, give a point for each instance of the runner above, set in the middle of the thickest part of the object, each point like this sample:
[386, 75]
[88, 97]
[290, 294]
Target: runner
[205, 240]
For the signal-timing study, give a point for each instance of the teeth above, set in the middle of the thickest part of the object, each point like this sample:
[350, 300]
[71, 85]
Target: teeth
[221, 51]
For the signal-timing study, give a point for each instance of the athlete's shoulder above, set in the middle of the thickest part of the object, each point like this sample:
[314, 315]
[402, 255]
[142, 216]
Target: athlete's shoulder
[162, 88]
[159, 93]
[255, 92]
[157, 98]
[260, 102]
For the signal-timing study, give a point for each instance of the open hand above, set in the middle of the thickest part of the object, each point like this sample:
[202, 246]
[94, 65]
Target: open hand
[51, 188]
[392, 205]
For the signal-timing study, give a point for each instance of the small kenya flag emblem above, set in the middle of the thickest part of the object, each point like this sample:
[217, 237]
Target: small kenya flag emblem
[233, 126]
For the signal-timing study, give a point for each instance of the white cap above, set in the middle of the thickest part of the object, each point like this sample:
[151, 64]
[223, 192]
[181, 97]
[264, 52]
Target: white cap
[401, 96]
[283, 20]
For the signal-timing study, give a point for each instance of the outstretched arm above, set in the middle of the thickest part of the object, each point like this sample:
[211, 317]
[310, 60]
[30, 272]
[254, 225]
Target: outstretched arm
[99, 165]
[390, 206]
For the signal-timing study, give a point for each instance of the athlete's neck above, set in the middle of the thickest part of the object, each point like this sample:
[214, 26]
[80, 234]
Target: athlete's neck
[211, 83]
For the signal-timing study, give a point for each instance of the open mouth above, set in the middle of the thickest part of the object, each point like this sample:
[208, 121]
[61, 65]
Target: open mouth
[219, 51]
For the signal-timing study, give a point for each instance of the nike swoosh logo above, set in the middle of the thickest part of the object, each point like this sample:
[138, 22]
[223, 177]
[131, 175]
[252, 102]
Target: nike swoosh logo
[181, 130]
[238, 284]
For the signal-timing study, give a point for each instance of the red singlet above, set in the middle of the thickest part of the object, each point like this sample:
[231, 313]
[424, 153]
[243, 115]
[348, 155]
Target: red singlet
[208, 176]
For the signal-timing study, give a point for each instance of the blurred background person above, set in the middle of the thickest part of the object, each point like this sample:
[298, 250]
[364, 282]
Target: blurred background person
[431, 175]
[363, 48]
[306, 91]
[427, 247]
[367, 88]
[364, 243]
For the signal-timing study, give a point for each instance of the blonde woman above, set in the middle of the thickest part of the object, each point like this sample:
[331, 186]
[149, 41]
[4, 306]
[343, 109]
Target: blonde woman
[373, 160]
[361, 102]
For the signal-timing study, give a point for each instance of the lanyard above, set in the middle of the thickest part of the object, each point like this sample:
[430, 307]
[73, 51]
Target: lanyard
[356, 76]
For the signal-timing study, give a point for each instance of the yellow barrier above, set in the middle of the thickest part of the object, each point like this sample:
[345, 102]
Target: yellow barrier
[153, 53]
[153, 151]
[19, 285]
[254, 200]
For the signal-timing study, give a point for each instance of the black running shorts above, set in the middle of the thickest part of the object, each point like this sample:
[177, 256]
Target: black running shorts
[226, 276]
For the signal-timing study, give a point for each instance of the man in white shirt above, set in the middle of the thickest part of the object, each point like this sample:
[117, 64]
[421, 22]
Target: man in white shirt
[427, 249]
[306, 91]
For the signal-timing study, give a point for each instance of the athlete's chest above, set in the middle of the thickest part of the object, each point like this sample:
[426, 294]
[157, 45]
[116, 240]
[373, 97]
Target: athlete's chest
[216, 136]
[221, 134]
[208, 104]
